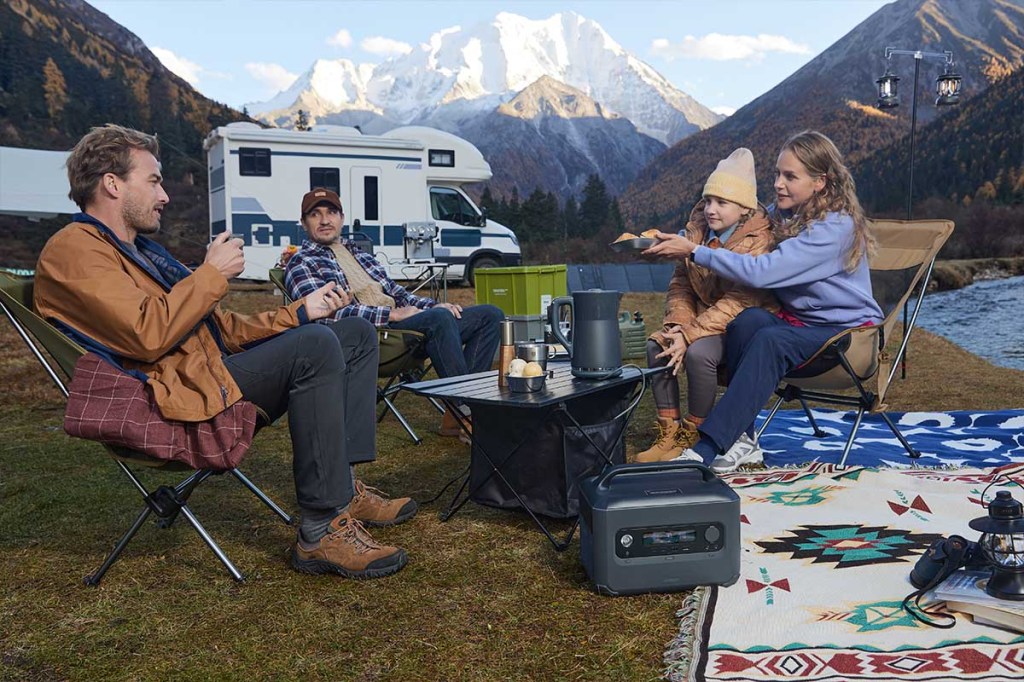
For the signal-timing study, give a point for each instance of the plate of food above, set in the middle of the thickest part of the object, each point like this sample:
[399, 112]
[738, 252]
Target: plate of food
[628, 241]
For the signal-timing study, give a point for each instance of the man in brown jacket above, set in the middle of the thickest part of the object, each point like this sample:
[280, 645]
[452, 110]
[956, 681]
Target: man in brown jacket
[700, 304]
[121, 295]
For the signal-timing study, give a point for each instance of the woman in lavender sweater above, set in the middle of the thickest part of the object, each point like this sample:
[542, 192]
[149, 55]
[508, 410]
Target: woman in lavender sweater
[819, 273]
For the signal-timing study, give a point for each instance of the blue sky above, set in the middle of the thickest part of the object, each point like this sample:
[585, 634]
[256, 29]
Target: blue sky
[722, 52]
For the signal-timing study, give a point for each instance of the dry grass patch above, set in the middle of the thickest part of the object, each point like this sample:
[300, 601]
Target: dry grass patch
[485, 597]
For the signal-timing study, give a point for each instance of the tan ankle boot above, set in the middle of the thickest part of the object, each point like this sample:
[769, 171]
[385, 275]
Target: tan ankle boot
[665, 447]
[687, 436]
[450, 427]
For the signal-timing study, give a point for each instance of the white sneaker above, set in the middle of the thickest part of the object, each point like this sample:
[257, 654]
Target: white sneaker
[688, 455]
[744, 451]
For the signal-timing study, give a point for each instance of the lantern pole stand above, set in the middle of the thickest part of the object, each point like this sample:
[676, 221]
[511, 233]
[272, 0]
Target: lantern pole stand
[918, 55]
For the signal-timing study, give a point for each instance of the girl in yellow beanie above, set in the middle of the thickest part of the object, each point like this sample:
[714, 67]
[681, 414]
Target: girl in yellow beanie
[700, 303]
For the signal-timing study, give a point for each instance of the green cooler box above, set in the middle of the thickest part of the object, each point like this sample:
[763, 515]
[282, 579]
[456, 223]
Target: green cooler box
[521, 291]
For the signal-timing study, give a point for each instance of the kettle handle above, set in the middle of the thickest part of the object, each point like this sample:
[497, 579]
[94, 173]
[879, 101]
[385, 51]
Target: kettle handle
[553, 310]
[649, 467]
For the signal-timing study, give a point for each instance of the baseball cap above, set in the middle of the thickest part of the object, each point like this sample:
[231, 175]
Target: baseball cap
[319, 196]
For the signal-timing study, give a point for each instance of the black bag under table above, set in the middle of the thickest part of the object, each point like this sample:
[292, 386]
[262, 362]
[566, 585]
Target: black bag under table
[530, 449]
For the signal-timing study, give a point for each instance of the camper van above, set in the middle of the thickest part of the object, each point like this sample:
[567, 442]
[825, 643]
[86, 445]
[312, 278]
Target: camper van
[402, 194]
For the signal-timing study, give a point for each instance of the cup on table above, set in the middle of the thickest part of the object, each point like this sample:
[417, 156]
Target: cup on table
[535, 352]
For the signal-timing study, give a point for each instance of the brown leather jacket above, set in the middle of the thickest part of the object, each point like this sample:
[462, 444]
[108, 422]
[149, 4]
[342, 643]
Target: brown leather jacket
[701, 302]
[87, 281]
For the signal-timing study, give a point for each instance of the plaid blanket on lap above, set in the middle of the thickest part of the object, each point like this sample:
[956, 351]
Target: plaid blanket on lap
[112, 407]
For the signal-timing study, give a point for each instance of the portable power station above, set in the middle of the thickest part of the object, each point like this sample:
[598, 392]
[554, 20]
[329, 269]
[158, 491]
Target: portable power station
[658, 527]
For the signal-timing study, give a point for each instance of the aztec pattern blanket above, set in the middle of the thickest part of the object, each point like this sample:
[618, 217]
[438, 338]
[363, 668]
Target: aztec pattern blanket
[954, 439]
[826, 555]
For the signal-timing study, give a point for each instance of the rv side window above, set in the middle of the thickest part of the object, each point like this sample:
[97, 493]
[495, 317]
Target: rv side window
[328, 178]
[442, 157]
[254, 161]
[447, 204]
[370, 210]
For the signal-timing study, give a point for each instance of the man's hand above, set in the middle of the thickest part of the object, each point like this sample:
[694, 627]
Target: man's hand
[399, 314]
[454, 309]
[671, 246]
[676, 350]
[225, 254]
[325, 301]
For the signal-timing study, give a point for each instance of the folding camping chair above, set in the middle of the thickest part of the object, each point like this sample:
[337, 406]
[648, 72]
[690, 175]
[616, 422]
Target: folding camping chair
[904, 261]
[165, 501]
[402, 362]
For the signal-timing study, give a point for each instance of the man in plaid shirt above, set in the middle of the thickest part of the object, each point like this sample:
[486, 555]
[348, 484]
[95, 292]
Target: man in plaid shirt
[459, 340]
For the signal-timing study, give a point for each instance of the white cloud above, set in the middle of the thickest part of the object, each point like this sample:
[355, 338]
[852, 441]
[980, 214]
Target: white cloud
[179, 66]
[724, 110]
[385, 47]
[341, 39]
[274, 76]
[720, 47]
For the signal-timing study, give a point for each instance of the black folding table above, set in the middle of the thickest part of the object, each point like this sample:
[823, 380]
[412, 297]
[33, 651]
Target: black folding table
[524, 429]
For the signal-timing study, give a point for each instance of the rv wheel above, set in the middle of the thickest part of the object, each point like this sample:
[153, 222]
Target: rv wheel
[481, 263]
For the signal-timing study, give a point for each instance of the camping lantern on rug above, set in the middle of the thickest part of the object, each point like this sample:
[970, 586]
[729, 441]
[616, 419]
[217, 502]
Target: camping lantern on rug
[1002, 542]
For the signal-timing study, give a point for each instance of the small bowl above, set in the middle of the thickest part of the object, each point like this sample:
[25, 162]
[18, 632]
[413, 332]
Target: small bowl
[638, 244]
[525, 384]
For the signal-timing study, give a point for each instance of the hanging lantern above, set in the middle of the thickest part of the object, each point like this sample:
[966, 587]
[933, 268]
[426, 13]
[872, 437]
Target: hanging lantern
[888, 97]
[1002, 542]
[947, 87]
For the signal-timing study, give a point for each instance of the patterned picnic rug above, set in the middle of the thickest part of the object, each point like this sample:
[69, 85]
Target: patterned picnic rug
[959, 439]
[826, 555]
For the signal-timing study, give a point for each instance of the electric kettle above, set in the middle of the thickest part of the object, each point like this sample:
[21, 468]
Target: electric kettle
[594, 350]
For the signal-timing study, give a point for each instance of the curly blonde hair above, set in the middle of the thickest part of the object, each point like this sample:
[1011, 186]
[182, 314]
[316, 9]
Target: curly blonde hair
[821, 158]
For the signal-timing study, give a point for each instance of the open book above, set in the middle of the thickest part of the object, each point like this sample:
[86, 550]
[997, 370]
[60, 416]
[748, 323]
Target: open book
[964, 591]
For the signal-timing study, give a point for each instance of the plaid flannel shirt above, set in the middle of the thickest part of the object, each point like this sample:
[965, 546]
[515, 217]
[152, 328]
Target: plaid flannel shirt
[314, 266]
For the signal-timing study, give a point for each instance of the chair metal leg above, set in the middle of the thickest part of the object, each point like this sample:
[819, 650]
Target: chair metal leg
[235, 573]
[390, 406]
[771, 415]
[263, 497]
[94, 579]
[184, 491]
[914, 454]
[853, 434]
[818, 433]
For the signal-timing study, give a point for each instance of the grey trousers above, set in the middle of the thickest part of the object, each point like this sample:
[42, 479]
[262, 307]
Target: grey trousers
[701, 363]
[325, 378]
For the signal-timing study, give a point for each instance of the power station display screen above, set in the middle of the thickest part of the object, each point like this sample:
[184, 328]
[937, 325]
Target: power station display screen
[669, 537]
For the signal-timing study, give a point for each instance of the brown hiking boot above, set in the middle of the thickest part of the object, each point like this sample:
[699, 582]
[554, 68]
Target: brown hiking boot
[665, 446]
[374, 509]
[349, 551]
[450, 427]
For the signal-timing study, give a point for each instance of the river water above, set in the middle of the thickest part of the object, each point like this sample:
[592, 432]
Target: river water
[986, 318]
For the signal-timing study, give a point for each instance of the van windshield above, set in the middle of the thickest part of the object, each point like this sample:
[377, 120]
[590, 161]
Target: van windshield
[447, 204]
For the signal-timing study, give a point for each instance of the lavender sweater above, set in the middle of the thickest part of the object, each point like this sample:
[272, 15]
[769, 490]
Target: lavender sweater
[807, 274]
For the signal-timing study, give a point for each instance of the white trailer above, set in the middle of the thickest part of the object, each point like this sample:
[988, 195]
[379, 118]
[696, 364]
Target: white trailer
[34, 183]
[390, 186]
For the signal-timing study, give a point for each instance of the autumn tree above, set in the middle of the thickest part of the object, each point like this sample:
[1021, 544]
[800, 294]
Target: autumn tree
[55, 90]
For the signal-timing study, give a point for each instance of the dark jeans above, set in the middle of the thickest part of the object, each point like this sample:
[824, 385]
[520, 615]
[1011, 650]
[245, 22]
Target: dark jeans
[760, 349]
[325, 377]
[458, 346]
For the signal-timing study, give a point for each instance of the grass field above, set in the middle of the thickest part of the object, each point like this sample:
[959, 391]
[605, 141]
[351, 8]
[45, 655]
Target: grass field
[485, 597]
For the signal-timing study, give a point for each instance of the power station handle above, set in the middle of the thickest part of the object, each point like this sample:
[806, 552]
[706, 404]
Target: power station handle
[651, 467]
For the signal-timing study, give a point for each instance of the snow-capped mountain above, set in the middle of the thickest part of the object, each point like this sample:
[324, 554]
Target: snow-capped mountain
[554, 137]
[460, 73]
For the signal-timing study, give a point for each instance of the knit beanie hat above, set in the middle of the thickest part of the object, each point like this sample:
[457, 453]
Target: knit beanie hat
[734, 179]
